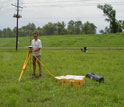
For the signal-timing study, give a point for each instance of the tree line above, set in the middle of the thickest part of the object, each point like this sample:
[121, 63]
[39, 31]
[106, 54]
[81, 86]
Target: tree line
[73, 27]
[59, 28]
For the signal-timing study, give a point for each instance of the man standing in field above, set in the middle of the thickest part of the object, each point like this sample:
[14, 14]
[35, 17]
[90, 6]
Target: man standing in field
[36, 52]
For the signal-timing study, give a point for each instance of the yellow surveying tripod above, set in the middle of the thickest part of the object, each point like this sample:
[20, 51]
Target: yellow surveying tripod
[26, 63]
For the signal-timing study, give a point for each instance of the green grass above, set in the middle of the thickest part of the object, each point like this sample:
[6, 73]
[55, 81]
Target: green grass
[105, 40]
[45, 92]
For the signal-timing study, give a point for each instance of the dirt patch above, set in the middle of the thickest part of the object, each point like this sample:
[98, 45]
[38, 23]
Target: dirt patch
[32, 100]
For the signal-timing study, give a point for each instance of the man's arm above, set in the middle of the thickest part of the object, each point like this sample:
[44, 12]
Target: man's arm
[36, 50]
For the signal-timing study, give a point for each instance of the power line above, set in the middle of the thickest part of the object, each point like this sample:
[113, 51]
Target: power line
[84, 2]
[51, 2]
[58, 17]
[68, 5]
[69, 2]
[55, 18]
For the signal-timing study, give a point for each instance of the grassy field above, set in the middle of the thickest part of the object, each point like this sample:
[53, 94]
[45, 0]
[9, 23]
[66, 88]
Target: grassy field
[106, 40]
[45, 92]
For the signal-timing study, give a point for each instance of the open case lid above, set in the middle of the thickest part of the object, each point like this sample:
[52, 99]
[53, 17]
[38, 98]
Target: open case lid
[29, 46]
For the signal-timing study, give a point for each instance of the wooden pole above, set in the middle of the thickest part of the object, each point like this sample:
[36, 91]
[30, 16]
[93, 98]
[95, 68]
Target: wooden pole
[17, 25]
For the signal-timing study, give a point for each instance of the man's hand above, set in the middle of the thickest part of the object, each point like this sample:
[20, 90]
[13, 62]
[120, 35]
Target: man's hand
[36, 50]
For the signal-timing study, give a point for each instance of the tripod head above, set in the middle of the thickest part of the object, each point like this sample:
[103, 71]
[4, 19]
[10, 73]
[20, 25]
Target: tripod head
[30, 48]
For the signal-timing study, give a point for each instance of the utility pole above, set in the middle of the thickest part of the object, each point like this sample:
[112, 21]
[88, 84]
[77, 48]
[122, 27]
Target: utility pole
[17, 25]
[17, 16]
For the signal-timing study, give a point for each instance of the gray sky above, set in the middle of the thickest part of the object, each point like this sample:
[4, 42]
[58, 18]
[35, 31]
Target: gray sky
[40, 12]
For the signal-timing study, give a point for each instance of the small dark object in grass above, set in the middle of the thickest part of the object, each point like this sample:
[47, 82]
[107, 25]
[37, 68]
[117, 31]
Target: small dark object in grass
[84, 49]
[95, 77]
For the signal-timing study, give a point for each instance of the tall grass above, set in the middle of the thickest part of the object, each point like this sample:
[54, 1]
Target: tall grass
[105, 40]
[45, 92]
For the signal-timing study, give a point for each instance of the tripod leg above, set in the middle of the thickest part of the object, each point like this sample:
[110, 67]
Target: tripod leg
[44, 67]
[24, 66]
[21, 75]
[26, 62]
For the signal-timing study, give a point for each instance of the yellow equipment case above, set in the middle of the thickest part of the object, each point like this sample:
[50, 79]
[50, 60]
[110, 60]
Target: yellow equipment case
[73, 80]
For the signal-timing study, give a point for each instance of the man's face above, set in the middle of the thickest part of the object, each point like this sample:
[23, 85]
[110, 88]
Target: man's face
[35, 36]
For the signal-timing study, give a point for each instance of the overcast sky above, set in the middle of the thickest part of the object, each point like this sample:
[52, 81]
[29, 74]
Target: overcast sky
[40, 12]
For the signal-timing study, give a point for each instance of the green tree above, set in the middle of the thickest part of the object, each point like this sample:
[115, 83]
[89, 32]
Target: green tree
[39, 31]
[14, 31]
[74, 27]
[7, 32]
[49, 29]
[107, 30]
[121, 24]
[111, 18]
[89, 28]
[0, 33]
[78, 27]
[71, 27]
[60, 28]
[27, 30]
